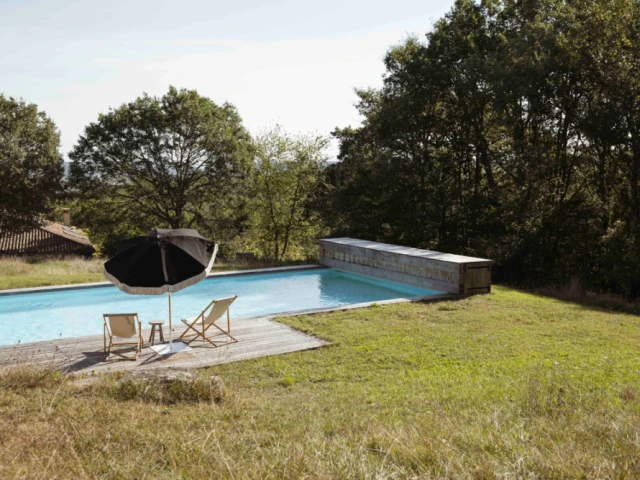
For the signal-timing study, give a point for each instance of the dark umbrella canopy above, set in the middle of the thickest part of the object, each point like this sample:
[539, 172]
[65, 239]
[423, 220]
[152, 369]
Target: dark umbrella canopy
[161, 261]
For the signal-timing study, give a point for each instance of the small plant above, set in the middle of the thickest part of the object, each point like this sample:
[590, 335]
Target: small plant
[287, 381]
[628, 394]
[447, 308]
[164, 390]
[24, 377]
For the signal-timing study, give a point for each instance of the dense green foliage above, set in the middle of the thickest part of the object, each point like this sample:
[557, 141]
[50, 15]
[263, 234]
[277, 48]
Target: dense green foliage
[182, 161]
[30, 164]
[512, 133]
[286, 174]
[175, 161]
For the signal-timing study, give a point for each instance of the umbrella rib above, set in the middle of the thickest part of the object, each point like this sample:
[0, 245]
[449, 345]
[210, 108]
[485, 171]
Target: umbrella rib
[164, 261]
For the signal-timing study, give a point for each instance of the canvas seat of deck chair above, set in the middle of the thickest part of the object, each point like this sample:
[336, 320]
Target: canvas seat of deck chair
[122, 326]
[201, 325]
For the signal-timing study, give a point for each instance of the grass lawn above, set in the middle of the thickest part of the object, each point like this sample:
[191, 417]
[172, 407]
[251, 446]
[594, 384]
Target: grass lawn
[16, 272]
[506, 385]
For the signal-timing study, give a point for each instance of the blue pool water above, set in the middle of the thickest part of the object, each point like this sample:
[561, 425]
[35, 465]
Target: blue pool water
[72, 313]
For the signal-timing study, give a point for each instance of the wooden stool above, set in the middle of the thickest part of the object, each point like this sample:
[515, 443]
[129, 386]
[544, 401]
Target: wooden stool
[156, 326]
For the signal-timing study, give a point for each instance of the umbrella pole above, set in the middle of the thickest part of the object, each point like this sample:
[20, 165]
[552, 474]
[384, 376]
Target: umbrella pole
[164, 349]
[170, 327]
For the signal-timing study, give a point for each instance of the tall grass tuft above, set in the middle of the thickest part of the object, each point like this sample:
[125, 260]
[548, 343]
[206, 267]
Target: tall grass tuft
[198, 389]
[28, 376]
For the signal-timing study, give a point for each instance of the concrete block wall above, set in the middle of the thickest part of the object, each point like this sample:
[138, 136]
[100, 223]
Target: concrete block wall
[421, 268]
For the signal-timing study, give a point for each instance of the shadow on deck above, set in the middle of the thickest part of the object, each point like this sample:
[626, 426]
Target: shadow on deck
[257, 337]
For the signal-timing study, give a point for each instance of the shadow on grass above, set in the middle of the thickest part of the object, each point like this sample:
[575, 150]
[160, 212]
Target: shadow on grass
[600, 302]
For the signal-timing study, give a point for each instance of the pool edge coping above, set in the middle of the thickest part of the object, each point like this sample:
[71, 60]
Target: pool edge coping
[230, 273]
[269, 316]
[353, 306]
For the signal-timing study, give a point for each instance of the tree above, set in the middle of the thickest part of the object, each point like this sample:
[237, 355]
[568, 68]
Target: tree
[285, 174]
[177, 161]
[106, 223]
[30, 164]
[510, 133]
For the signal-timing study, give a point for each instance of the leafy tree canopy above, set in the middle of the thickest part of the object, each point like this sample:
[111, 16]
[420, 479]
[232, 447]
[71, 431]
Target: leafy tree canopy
[512, 132]
[285, 175]
[30, 164]
[173, 161]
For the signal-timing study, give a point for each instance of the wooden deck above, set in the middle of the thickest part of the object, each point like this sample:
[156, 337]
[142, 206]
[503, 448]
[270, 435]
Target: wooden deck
[257, 337]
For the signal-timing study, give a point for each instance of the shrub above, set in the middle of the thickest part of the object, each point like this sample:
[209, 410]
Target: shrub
[167, 388]
[21, 377]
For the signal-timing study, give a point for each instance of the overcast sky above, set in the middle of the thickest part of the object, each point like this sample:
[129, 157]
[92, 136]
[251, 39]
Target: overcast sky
[290, 62]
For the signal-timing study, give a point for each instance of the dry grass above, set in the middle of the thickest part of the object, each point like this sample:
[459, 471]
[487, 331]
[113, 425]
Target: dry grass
[26, 266]
[508, 385]
[27, 377]
[240, 264]
[25, 272]
[198, 389]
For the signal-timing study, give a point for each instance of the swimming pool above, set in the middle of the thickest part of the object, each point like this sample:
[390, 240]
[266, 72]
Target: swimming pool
[30, 317]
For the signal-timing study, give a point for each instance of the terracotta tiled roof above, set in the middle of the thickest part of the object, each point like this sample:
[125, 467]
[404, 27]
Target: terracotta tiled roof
[49, 238]
[69, 233]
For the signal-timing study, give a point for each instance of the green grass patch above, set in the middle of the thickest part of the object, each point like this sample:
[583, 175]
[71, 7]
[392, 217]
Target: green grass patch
[506, 385]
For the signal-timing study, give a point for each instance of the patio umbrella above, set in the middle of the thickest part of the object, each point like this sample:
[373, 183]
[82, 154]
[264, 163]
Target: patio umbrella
[162, 261]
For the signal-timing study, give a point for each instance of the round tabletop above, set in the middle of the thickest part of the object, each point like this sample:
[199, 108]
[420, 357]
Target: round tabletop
[156, 322]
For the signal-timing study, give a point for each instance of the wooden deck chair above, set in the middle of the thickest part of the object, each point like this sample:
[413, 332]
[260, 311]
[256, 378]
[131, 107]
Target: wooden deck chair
[124, 326]
[201, 324]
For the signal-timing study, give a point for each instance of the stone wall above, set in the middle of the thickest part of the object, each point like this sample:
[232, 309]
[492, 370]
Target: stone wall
[411, 266]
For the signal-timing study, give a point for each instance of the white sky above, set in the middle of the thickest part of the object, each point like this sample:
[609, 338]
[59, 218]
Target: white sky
[290, 62]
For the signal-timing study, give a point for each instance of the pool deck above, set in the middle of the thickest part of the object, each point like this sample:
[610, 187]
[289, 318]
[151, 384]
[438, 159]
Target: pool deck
[257, 337]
